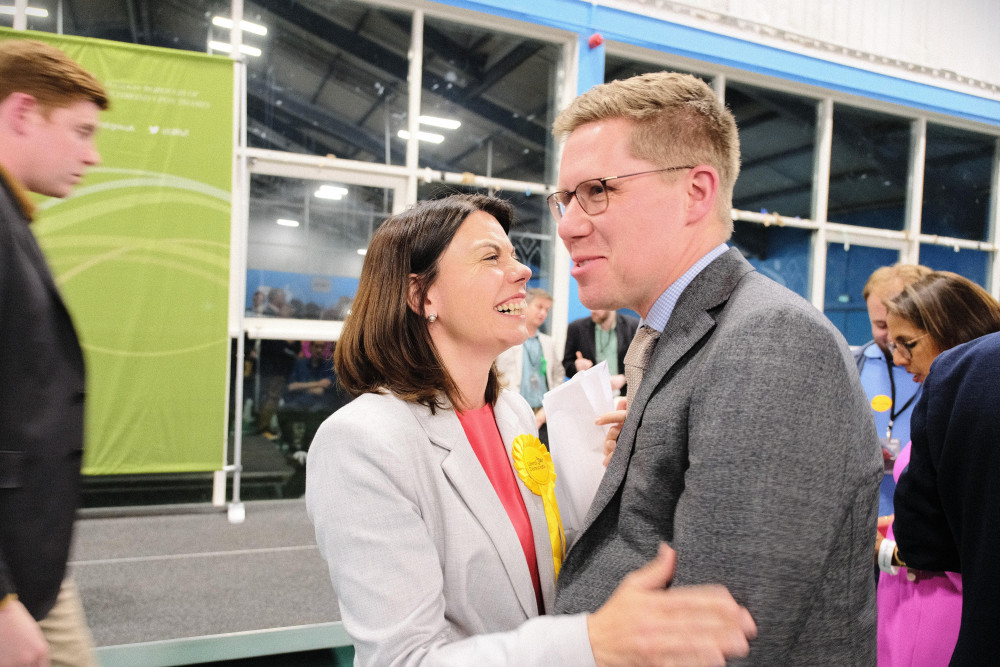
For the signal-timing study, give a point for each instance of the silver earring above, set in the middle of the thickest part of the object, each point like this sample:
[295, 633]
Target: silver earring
[432, 317]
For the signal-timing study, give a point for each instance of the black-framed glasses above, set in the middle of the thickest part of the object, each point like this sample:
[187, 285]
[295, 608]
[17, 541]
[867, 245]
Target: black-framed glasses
[592, 194]
[905, 347]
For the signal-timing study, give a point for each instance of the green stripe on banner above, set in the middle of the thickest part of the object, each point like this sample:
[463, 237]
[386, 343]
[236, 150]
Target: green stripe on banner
[141, 254]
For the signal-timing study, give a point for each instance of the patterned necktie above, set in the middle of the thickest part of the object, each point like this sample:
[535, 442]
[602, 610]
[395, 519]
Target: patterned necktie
[638, 356]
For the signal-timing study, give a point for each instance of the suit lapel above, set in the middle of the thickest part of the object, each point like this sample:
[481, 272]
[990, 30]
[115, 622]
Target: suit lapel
[690, 321]
[28, 242]
[463, 469]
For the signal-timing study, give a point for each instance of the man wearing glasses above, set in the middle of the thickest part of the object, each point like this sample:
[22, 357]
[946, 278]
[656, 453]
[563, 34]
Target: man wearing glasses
[748, 444]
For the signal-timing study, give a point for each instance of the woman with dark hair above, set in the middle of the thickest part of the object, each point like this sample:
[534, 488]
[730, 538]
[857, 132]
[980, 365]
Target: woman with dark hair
[919, 613]
[432, 498]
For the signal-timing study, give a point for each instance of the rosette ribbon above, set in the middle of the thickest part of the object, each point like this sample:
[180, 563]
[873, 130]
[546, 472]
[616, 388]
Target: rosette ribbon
[535, 468]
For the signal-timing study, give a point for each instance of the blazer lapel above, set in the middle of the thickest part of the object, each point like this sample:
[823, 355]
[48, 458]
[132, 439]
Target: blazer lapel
[511, 427]
[463, 469]
[517, 355]
[690, 321]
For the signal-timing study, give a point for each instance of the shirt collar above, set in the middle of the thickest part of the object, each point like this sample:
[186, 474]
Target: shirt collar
[21, 195]
[873, 351]
[661, 311]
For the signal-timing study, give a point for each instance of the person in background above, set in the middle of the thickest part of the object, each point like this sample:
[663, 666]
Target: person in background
[603, 336]
[454, 558]
[890, 389]
[49, 110]
[259, 303]
[533, 367]
[275, 361]
[919, 614]
[748, 444]
[311, 395]
[276, 304]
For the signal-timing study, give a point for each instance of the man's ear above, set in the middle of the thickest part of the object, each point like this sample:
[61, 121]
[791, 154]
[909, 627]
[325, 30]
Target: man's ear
[702, 189]
[16, 110]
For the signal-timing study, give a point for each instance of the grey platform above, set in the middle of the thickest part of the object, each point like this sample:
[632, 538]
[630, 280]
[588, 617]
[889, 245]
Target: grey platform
[181, 585]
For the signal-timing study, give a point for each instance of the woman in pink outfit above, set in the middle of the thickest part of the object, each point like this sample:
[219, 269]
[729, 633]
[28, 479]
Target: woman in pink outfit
[919, 613]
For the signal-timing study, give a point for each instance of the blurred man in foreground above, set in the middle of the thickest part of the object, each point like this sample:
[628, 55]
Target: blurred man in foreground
[49, 109]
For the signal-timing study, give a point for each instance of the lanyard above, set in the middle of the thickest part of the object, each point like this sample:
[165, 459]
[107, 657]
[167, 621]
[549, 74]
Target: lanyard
[893, 414]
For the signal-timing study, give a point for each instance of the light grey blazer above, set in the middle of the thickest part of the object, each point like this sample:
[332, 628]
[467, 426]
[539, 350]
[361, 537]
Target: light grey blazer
[511, 364]
[426, 564]
[750, 447]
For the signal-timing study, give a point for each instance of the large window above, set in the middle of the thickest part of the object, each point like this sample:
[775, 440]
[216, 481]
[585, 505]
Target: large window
[957, 183]
[307, 240]
[777, 143]
[333, 81]
[869, 167]
[501, 87]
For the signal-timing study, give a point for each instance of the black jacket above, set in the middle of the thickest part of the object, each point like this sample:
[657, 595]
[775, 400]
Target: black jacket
[948, 499]
[41, 417]
[580, 337]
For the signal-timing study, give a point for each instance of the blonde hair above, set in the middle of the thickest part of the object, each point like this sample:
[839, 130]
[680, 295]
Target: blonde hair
[901, 274]
[50, 76]
[537, 293]
[678, 121]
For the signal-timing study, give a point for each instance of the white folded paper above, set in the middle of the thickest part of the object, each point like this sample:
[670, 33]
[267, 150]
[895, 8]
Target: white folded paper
[576, 442]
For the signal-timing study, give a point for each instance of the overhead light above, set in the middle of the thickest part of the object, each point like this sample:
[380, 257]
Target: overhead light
[362, 251]
[226, 47]
[246, 26]
[422, 136]
[327, 191]
[285, 222]
[446, 123]
[30, 11]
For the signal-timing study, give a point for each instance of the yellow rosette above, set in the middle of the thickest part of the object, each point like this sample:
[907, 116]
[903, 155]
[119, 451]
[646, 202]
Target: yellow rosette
[535, 468]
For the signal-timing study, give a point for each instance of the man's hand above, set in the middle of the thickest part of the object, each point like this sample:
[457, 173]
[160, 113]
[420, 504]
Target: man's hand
[581, 363]
[616, 418]
[21, 641]
[539, 417]
[643, 623]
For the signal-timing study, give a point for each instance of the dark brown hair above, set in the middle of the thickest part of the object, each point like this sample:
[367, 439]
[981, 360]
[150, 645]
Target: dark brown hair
[385, 345]
[951, 308]
[47, 74]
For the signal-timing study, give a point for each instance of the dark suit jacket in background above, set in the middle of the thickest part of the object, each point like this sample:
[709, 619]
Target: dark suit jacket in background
[580, 338]
[750, 448]
[41, 418]
[948, 498]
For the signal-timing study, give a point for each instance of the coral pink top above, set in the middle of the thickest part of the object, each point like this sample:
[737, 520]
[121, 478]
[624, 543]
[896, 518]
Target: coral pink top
[481, 428]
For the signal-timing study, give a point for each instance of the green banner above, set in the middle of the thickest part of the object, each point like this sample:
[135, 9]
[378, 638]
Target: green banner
[141, 254]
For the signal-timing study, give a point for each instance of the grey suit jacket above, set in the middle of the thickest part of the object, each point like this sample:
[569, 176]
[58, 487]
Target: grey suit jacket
[750, 448]
[426, 564]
